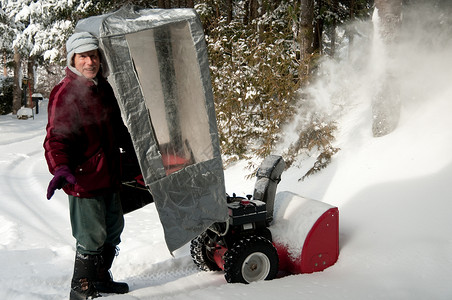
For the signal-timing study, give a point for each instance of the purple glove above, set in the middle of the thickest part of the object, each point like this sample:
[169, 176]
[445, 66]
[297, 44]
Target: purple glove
[62, 176]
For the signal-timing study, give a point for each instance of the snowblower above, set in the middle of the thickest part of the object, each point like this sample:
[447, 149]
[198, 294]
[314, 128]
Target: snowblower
[243, 246]
[156, 61]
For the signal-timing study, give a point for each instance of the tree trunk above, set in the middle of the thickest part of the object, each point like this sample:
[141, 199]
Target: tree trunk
[5, 70]
[318, 30]
[246, 17]
[229, 8]
[164, 4]
[390, 12]
[306, 34]
[333, 29]
[17, 92]
[251, 11]
[31, 79]
[350, 34]
[386, 102]
[254, 7]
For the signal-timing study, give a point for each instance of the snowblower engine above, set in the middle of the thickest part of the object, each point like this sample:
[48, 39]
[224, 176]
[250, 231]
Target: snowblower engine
[242, 247]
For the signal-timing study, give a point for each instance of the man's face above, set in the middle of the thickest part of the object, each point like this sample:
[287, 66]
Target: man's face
[87, 63]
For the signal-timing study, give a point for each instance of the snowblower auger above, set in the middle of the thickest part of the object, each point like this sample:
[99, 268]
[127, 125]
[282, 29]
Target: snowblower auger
[242, 246]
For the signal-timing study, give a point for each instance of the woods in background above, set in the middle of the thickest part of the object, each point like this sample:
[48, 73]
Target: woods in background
[262, 55]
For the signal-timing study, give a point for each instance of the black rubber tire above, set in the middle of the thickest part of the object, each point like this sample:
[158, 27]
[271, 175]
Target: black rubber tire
[202, 257]
[251, 259]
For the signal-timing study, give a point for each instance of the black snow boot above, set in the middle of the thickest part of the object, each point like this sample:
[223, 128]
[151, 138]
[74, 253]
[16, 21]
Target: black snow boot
[82, 287]
[104, 282]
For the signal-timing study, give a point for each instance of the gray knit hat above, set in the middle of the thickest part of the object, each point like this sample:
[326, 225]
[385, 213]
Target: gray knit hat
[80, 42]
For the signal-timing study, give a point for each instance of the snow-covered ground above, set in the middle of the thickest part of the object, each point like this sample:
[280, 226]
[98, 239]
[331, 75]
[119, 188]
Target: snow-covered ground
[393, 194]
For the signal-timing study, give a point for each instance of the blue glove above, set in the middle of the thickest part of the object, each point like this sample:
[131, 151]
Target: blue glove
[62, 176]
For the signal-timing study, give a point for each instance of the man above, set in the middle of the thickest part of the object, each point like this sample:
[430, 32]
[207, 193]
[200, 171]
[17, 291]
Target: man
[82, 147]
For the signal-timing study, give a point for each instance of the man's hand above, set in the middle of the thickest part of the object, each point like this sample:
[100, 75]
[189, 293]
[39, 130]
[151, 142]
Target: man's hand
[62, 176]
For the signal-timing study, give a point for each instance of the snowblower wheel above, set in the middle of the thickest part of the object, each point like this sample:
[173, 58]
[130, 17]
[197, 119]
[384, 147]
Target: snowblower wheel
[251, 259]
[201, 255]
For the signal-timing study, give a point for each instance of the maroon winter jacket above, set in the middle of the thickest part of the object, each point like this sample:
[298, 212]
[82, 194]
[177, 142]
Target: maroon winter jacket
[85, 132]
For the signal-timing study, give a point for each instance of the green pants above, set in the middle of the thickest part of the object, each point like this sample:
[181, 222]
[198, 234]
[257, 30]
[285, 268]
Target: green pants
[96, 221]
